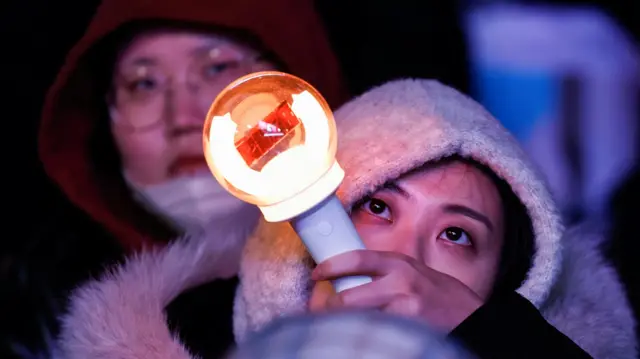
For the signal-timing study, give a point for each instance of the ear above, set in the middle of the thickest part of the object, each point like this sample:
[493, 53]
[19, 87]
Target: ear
[114, 114]
[110, 101]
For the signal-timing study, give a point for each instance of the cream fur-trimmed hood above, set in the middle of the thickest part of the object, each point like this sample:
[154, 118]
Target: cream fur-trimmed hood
[121, 315]
[383, 134]
[399, 126]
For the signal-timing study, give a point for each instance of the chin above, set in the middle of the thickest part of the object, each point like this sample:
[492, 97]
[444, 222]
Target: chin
[191, 173]
[188, 167]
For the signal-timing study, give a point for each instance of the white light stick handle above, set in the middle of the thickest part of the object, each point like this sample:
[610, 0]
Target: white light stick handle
[326, 230]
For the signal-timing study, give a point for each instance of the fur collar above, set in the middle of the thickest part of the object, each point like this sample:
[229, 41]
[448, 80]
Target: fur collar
[121, 315]
[399, 126]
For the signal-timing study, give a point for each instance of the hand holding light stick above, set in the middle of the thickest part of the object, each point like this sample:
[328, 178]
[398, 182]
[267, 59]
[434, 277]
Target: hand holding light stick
[270, 140]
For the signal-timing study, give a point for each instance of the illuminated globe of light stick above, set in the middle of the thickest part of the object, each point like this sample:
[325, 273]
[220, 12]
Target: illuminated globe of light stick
[270, 139]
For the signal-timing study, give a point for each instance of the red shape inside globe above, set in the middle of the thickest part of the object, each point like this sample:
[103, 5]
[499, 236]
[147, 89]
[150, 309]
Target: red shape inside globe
[267, 134]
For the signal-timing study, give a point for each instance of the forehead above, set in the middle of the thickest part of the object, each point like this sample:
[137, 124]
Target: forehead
[169, 46]
[453, 180]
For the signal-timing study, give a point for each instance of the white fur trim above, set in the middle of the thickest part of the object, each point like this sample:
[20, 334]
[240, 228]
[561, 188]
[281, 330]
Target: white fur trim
[588, 303]
[383, 134]
[391, 130]
[122, 314]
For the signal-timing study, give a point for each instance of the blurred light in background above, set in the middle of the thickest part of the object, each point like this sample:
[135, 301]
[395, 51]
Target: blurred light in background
[565, 80]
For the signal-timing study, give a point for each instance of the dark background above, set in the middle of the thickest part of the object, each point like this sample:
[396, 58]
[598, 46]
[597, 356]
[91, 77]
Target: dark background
[376, 40]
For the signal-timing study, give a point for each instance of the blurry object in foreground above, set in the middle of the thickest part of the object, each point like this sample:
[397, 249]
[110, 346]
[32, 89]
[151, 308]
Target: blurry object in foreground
[348, 335]
[565, 81]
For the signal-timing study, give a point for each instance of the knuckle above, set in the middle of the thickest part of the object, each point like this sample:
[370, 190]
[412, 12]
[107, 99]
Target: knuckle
[407, 304]
[357, 259]
[399, 283]
[407, 268]
[413, 304]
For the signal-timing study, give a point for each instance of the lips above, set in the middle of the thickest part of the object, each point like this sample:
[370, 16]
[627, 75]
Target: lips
[187, 165]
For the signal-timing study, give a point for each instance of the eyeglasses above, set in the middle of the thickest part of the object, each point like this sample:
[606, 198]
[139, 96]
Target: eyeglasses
[144, 94]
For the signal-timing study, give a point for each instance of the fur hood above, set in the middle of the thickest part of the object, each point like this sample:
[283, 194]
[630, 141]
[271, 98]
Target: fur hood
[425, 121]
[121, 315]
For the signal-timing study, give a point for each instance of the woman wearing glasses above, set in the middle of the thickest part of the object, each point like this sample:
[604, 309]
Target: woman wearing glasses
[121, 133]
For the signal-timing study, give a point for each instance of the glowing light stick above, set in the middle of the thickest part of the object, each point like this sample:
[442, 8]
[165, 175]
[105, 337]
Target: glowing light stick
[270, 140]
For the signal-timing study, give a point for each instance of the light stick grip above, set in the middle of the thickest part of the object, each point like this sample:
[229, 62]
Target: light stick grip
[326, 231]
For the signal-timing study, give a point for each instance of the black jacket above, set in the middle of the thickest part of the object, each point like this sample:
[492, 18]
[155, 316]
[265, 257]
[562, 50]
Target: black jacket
[509, 326]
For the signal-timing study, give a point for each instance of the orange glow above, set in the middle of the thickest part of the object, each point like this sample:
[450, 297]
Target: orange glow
[277, 127]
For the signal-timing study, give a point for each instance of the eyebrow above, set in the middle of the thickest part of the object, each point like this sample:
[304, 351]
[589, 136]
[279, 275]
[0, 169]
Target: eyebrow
[205, 48]
[215, 44]
[208, 46]
[142, 61]
[469, 212]
[394, 187]
[449, 208]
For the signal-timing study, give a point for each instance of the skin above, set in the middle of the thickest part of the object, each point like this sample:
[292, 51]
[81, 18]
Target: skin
[162, 87]
[433, 241]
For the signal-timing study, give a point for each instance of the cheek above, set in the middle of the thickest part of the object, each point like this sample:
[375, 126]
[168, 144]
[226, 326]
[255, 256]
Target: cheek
[477, 271]
[144, 154]
[376, 237]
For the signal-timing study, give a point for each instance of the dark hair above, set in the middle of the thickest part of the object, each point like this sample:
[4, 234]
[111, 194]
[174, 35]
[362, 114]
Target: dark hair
[519, 238]
[112, 46]
[99, 65]
[102, 59]
[519, 244]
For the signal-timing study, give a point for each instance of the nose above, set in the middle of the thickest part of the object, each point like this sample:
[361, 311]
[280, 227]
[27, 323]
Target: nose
[183, 112]
[408, 239]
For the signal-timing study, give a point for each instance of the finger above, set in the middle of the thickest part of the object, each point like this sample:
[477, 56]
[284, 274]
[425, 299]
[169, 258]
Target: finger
[359, 262]
[404, 305]
[320, 295]
[376, 294]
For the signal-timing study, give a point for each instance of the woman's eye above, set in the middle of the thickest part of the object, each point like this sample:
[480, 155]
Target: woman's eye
[214, 69]
[377, 207]
[456, 235]
[146, 85]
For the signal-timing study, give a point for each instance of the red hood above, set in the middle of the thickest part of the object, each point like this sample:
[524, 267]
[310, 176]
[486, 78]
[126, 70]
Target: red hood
[74, 105]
